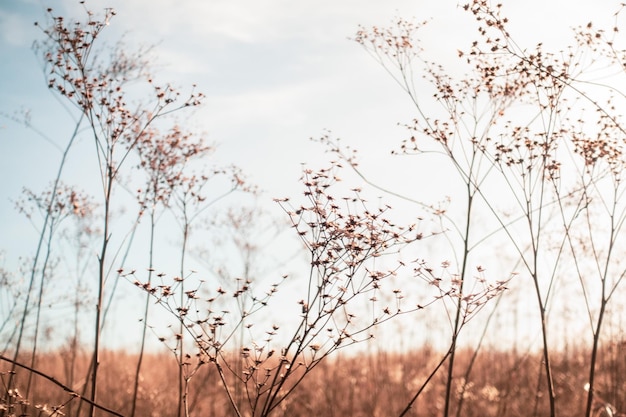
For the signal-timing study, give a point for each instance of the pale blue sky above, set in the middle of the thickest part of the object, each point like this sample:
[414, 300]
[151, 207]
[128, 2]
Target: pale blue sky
[275, 73]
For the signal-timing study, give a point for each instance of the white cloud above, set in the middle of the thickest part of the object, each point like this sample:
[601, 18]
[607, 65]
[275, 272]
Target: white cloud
[257, 21]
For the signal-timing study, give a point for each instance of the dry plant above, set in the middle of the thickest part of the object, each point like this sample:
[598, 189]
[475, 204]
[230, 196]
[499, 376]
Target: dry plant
[239, 237]
[347, 243]
[540, 129]
[535, 140]
[100, 89]
[191, 200]
[54, 206]
[97, 90]
[165, 158]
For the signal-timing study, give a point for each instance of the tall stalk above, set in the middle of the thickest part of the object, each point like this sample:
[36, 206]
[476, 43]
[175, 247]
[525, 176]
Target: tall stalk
[182, 383]
[102, 265]
[459, 317]
[40, 243]
[145, 315]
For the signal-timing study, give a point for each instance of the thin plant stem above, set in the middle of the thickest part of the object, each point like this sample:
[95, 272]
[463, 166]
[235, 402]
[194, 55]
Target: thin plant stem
[182, 382]
[426, 382]
[47, 219]
[145, 317]
[64, 387]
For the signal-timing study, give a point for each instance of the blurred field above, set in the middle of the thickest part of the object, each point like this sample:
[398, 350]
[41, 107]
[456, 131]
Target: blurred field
[369, 384]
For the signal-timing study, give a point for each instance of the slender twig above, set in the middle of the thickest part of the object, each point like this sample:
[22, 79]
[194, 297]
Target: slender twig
[65, 388]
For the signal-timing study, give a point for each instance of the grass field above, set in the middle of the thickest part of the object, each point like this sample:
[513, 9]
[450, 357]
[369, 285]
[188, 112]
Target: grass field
[369, 384]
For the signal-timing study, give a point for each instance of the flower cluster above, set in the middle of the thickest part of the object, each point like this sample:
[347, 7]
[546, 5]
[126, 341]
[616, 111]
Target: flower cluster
[164, 157]
[57, 202]
[344, 239]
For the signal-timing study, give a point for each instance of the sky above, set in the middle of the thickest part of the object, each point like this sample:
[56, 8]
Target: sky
[275, 73]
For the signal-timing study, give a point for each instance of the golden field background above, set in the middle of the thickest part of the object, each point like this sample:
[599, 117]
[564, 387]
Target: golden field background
[374, 384]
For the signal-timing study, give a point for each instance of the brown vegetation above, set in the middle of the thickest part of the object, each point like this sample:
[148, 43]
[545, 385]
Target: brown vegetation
[362, 385]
